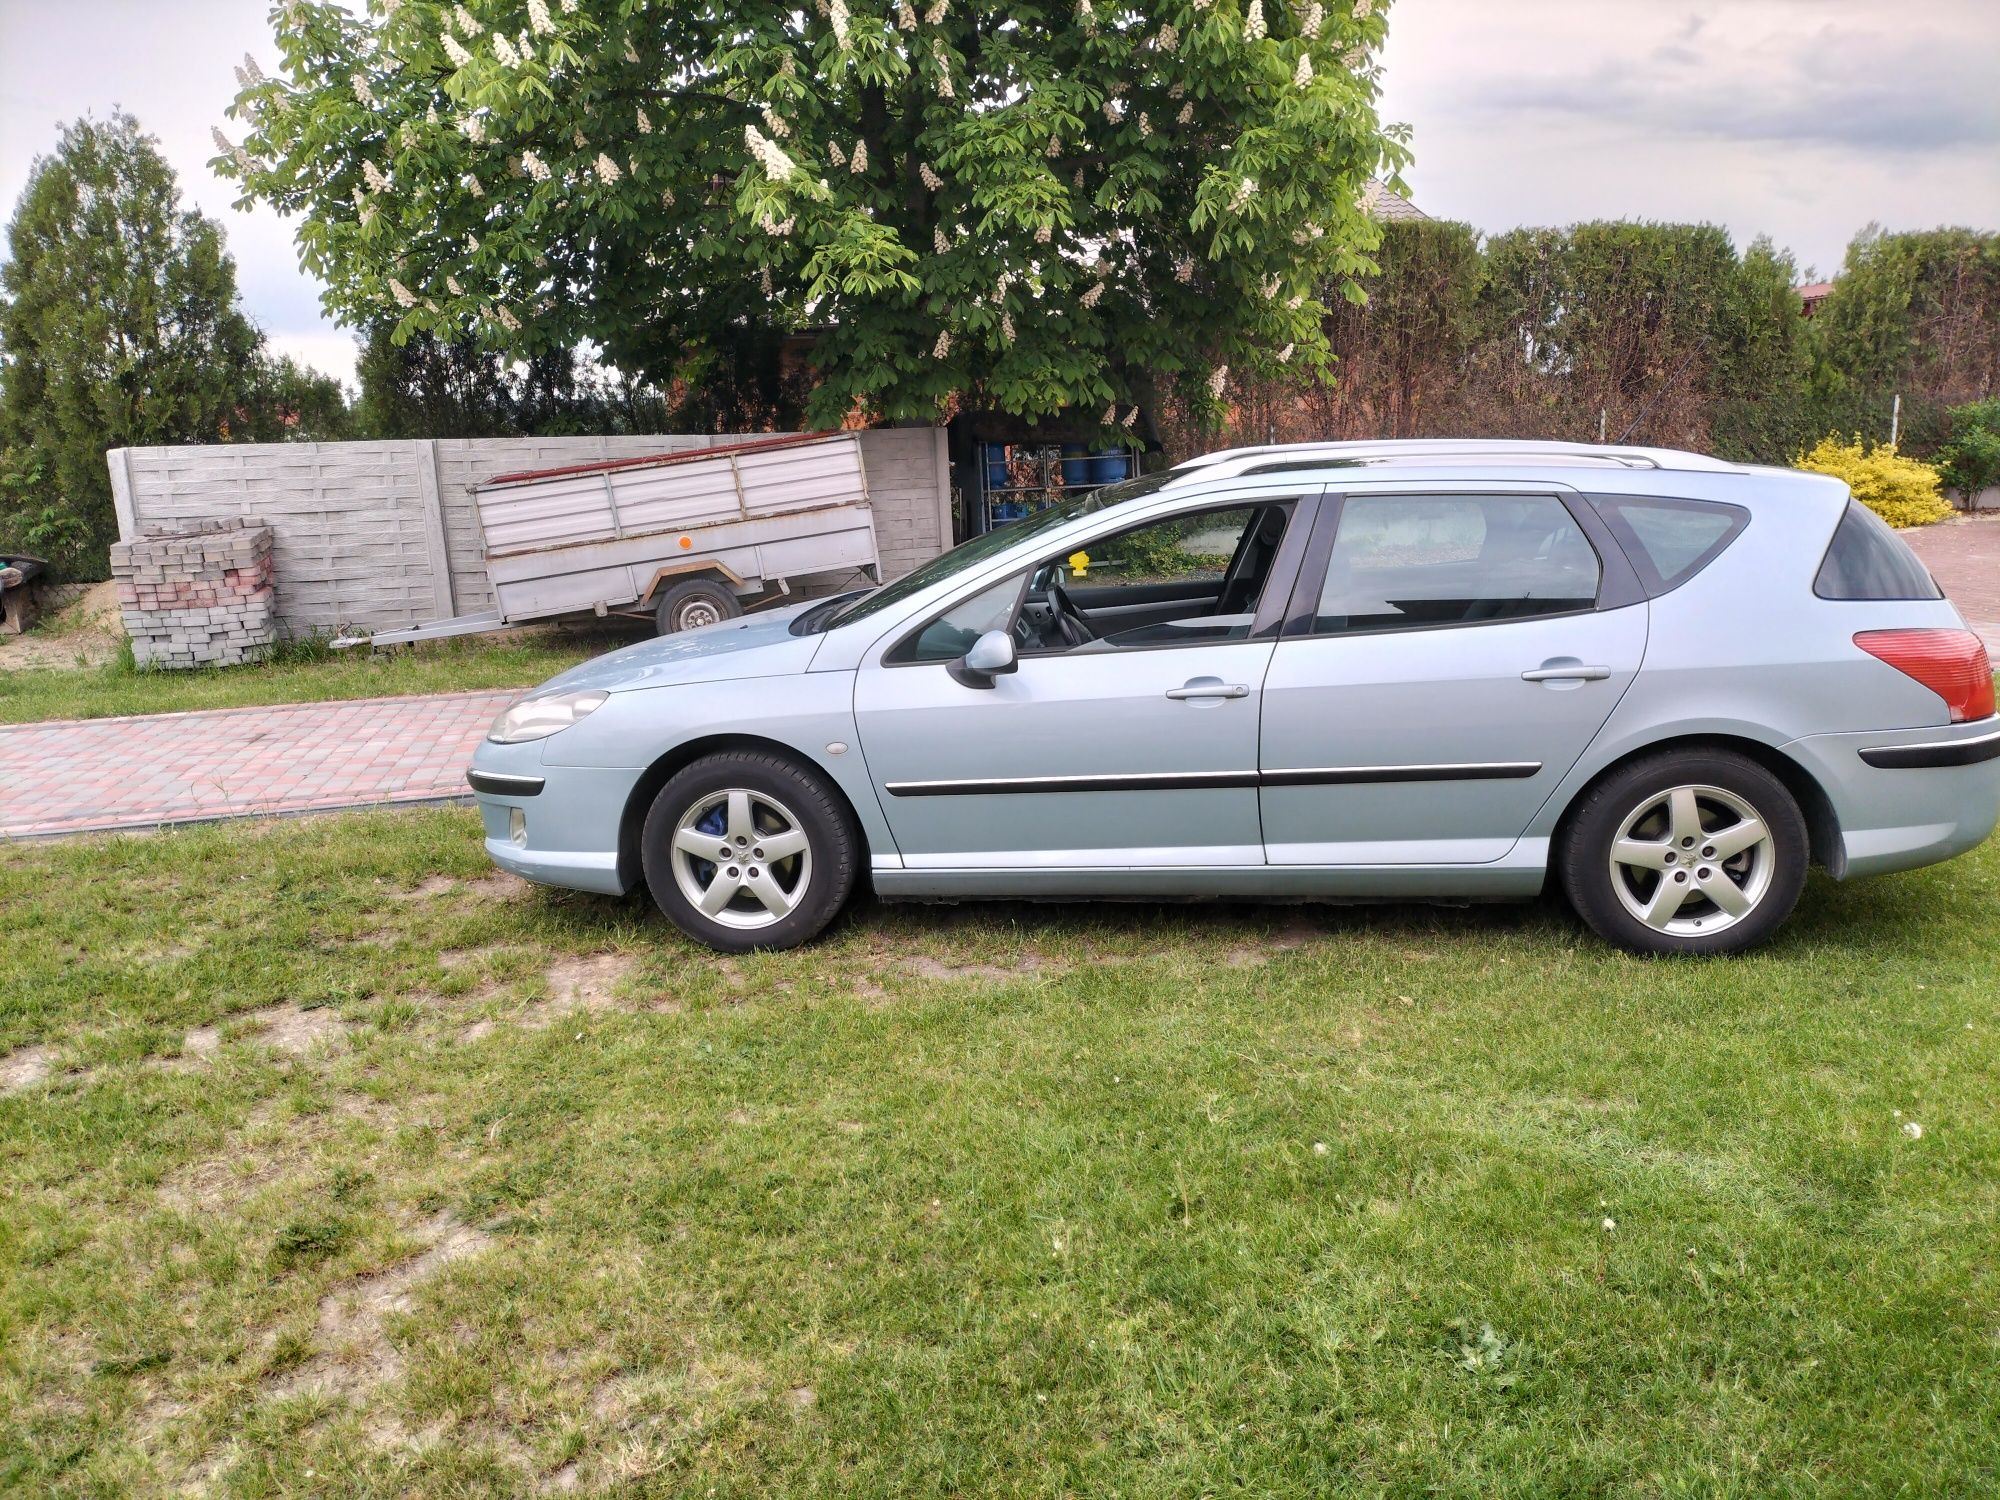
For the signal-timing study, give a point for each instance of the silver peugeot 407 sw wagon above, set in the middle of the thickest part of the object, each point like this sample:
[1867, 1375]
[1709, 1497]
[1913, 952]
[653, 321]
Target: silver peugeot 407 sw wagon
[1329, 671]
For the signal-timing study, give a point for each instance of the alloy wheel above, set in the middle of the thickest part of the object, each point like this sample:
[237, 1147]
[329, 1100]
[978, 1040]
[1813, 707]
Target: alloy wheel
[741, 858]
[1693, 860]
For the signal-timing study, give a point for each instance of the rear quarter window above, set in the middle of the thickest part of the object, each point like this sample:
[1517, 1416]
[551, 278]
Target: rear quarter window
[1867, 560]
[1669, 541]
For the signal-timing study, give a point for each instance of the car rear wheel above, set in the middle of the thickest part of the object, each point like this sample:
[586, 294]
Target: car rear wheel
[746, 850]
[1691, 851]
[695, 602]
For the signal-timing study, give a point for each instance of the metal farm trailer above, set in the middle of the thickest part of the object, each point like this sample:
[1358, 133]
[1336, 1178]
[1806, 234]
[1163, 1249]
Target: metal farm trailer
[687, 538]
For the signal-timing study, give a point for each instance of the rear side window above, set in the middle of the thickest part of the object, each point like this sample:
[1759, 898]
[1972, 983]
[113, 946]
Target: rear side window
[1410, 562]
[1867, 560]
[1669, 541]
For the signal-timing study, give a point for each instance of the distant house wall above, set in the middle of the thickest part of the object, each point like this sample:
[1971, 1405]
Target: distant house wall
[370, 536]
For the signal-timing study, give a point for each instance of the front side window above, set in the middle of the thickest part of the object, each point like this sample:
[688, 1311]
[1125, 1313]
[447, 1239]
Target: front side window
[1402, 562]
[1190, 579]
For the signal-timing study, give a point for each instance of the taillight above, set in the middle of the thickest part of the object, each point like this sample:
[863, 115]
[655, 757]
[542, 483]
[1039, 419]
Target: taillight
[1951, 663]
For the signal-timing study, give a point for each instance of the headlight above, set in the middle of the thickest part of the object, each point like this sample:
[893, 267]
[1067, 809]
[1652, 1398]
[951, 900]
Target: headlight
[538, 718]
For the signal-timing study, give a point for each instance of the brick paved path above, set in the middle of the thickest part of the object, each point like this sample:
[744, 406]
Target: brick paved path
[92, 775]
[1964, 556]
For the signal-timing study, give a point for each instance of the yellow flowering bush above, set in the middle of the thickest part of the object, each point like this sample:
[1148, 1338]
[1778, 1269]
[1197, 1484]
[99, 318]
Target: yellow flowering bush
[1902, 491]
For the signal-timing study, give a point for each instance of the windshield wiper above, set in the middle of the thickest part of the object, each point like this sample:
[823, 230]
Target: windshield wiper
[815, 618]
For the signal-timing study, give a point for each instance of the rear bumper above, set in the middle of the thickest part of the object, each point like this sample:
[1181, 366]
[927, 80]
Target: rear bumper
[1908, 797]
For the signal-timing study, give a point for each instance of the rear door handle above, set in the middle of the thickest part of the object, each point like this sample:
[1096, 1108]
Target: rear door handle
[1209, 690]
[1566, 674]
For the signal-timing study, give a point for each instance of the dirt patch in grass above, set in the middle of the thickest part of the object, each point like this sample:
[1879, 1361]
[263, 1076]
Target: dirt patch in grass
[355, 1354]
[83, 632]
[23, 1068]
[579, 985]
[1026, 966]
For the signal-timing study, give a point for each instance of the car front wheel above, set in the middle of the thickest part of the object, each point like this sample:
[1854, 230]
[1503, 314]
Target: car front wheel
[1694, 851]
[746, 850]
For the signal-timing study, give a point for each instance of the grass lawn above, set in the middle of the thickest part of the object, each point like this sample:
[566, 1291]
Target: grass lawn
[335, 1165]
[306, 672]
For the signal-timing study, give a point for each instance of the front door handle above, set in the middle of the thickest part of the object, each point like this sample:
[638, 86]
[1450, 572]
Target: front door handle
[1208, 689]
[1566, 674]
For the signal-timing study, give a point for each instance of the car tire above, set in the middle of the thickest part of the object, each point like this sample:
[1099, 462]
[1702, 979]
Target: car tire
[692, 603]
[748, 897]
[1643, 854]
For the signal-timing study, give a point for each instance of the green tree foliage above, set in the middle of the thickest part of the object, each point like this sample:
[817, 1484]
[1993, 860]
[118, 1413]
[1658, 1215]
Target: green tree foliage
[1915, 315]
[1969, 461]
[119, 325]
[1026, 205]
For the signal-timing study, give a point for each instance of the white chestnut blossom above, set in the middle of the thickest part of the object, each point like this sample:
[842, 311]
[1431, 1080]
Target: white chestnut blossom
[401, 293]
[1110, 415]
[569, 7]
[775, 123]
[937, 12]
[1145, 125]
[364, 206]
[631, 52]
[473, 127]
[777, 166]
[466, 23]
[1114, 110]
[222, 142]
[943, 345]
[507, 320]
[943, 61]
[1304, 73]
[1007, 327]
[839, 156]
[940, 241]
[472, 243]
[1240, 199]
[1169, 40]
[1091, 293]
[645, 123]
[929, 175]
[576, 137]
[376, 181]
[1054, 147]
[534, 166]
[1131, 417]
[836, 15]
[361, 90]
[1217, 380]
[1285, 354]
[1254, 29]
[607, 170]
[1353, 58]
[1363, 9]
[1044, 233]
[858, 162]
[1270, 286]
[458, 55]
[504, 50]
[1314, 18]
[250, 68]
[451, 285]
[667, 198]
[1186, 116]
[538, 17]
[906, 18]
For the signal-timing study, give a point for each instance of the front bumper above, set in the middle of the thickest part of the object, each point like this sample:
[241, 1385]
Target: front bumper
[569, 817]
[1909, 797]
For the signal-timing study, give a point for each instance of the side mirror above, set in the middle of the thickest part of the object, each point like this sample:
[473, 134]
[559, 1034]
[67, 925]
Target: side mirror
[991, 656]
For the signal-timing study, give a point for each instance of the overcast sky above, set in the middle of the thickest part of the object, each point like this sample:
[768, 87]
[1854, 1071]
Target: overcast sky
[1799, 119]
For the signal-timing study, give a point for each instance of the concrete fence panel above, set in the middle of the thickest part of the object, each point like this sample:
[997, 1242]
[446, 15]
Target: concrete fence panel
[371, 536]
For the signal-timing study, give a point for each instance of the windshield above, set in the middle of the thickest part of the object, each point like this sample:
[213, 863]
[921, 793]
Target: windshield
[971, 554]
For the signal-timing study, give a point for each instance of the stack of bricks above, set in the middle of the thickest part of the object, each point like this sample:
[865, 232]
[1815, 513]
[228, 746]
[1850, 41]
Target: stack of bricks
[197, 598]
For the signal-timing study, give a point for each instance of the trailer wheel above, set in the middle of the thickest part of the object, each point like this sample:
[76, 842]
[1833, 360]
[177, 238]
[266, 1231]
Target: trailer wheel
[694, 603]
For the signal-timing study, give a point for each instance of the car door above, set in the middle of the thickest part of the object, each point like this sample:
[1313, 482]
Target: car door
[1446, 658]
[1101, 757]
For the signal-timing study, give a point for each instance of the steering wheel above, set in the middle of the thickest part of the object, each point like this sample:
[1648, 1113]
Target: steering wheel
[1069, 619]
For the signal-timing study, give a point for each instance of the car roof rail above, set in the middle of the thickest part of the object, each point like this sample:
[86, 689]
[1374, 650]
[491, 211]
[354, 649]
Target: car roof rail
[1440, 453]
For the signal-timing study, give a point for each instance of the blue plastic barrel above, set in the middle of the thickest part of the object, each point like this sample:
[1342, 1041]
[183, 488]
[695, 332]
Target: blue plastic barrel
[1078, 468]
[1110, 467]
